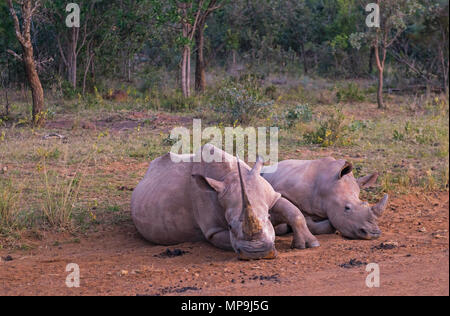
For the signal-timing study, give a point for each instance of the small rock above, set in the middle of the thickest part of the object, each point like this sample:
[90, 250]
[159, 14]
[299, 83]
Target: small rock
[8, 258]
[123, 273]
[386, 245]
[3, 170]
[352, 263]
[423, 230]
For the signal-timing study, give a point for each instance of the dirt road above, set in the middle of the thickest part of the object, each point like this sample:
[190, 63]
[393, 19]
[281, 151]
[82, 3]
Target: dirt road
[413, 256]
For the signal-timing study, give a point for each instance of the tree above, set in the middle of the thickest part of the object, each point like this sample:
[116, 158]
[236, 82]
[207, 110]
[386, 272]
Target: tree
[71, 41]
[394, 16]
[297, 27]
[23, 34]
[200, 76]
[191, 16]
[133, 23]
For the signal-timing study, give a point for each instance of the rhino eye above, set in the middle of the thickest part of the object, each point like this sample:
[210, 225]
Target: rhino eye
[348, 208]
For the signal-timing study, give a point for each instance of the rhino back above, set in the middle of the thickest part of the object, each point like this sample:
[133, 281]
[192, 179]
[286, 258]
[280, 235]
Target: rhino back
[296, 180]
[160, 204]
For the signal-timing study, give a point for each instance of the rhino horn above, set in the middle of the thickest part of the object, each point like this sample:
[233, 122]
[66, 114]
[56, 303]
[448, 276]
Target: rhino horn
[250, 223]
[379, 208]
[258, 166]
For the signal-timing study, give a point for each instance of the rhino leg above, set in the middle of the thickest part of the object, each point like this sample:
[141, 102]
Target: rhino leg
[221, 239]
[284, 212]
[320, 228]
[282, 229]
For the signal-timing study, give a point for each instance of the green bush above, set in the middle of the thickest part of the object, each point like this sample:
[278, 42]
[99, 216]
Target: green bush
[332, 131]
[240, 103]
[68, 91]
[301, 113]
[357, 125]
[350, 93]
[176, 102]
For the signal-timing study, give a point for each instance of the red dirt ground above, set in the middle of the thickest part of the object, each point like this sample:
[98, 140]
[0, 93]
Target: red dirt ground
[418, 265]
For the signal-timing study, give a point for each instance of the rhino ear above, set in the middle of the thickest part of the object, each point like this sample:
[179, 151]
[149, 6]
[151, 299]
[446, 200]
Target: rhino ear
[367, 181]
[218, 186]
[346, 169]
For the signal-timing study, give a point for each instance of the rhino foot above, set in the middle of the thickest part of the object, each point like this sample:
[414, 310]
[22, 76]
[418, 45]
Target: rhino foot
[303, 243]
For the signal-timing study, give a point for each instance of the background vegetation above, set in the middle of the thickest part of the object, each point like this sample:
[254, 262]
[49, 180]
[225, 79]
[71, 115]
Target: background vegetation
[114, 88]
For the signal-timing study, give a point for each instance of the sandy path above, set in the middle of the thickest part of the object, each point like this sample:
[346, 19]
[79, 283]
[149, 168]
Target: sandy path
[417, 265]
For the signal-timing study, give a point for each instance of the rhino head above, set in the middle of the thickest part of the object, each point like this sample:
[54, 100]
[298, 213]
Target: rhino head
[247, 198]
[338, 193]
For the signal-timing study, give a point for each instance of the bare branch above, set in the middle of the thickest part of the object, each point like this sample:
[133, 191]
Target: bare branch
[19, 57]
[61, 51]
[16, 21]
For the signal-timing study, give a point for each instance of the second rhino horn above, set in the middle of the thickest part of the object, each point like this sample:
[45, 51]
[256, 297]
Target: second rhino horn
[258, 166]
[250, 223]
[379, 208]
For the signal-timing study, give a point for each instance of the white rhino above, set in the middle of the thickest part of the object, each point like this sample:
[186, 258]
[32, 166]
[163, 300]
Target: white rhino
[327, 194]
[226, 203]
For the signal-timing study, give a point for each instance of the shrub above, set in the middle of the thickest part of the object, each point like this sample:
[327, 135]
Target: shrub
[9, 200]
[271, 92]
[176, 102]
[239, 103]
[350, 93]
[68, 90]
[357, 125]
[330, 132]
[60, 198]
[301, 112]
[437, 106]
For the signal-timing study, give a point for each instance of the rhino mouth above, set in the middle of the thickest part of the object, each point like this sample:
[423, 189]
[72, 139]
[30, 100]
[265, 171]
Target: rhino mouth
[249, 254]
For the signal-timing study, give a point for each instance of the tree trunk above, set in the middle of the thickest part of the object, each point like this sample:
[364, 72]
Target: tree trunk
[380, 89]
[380, 66]
[188, 72]
[200, 75]
[371, 60]
[183, 72]
[89, 57]
[23, 35]
[305, 66]
[35, 84]
[72, 67]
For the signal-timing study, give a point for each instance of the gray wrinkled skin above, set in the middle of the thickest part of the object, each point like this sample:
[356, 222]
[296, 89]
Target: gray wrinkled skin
[193, 201]
[327, 194]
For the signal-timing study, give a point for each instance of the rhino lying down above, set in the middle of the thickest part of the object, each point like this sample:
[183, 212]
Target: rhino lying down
[327, 194]
[226, 203]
